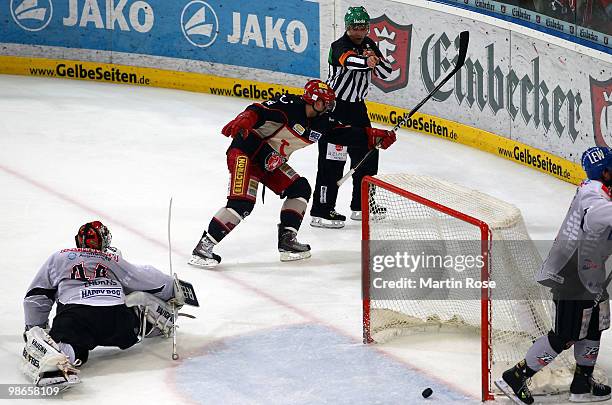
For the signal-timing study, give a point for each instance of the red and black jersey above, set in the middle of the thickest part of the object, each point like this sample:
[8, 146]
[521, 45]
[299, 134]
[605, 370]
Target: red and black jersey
[283, 127]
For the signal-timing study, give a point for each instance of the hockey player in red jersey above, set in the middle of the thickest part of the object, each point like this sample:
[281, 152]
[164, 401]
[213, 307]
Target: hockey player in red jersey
[264, 136]
[575, 272]
[101, 300]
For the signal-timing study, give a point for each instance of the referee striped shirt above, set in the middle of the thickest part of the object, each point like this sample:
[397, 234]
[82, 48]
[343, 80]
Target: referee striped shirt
[349, 74]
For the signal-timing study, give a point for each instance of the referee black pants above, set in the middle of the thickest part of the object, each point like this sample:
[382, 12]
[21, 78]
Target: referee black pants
[330, 164]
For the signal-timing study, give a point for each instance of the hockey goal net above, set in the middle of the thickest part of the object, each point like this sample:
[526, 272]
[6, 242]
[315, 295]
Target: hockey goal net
[506, 319]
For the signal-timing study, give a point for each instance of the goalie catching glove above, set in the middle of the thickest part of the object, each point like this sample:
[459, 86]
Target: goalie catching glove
[242, 124]
[375, 135]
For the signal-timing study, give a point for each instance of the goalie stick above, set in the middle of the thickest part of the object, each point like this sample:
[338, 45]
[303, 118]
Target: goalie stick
[186, 287]
[175, 355]
[464, 39]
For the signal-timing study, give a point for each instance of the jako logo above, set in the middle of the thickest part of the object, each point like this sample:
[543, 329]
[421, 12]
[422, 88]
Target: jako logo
[199, 23]
[31, 16]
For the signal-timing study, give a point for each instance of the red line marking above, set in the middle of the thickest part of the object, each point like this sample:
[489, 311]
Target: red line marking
[241, 283]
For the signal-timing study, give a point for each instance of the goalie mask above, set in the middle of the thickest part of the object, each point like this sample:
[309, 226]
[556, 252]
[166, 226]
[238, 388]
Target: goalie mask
[317, 90]
[93, 235]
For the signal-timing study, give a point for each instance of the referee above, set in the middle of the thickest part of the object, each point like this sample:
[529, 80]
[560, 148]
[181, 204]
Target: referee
[352, 60]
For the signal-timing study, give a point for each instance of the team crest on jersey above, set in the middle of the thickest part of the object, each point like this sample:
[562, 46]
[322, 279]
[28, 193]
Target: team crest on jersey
[273, 161]
[299, 129]
[393, 40]
[601, 102]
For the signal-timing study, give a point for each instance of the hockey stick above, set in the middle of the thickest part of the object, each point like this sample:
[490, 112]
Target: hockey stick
[599, 296]
[175, 355]
[464, 39]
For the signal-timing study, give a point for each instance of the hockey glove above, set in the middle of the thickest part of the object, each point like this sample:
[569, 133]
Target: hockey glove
[241, 124]
[375, 135]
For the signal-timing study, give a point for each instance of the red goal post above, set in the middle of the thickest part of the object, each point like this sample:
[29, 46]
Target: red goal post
[485, 237]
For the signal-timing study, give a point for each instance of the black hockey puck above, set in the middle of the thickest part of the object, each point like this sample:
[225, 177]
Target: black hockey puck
[427, 392]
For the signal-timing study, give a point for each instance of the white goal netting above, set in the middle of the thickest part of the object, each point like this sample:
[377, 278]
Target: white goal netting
[519, 309]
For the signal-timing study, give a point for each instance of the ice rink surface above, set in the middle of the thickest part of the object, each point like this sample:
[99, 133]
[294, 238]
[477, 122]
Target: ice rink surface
[266, 332]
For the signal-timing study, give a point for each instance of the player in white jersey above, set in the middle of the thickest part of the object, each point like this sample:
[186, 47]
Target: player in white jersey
[575, 271]
[91, 285]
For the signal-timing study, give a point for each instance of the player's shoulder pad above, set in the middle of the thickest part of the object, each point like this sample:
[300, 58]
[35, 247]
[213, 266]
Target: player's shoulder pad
[594, 187]
[282, 99]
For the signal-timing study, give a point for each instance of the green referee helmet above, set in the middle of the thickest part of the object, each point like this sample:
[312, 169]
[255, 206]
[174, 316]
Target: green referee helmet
[356, 16]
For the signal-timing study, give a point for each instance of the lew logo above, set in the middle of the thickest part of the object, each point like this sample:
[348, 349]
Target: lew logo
[32, 15]
[601, 105]
[200, 24]
[394, 42]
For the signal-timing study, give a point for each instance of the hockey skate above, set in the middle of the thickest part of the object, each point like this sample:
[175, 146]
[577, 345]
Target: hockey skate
[514, 384]
[377, 213]
[585, 389]
[203, 256]
[330, 219]
[288, 246]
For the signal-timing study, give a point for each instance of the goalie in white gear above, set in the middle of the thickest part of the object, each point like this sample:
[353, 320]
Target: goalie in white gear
[89, 283]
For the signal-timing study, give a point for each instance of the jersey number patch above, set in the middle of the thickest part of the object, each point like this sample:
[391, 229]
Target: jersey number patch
[79, 273]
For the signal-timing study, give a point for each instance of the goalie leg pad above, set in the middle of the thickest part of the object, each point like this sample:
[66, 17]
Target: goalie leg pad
[156, 313]
[44, 363]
